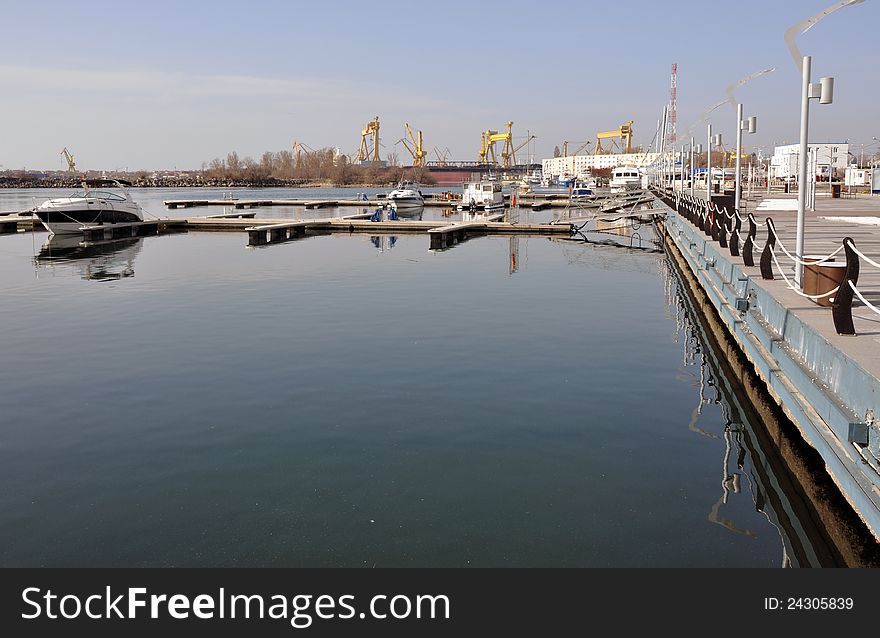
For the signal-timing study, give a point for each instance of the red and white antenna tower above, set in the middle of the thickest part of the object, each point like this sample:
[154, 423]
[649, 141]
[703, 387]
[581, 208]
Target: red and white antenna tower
[670, 131]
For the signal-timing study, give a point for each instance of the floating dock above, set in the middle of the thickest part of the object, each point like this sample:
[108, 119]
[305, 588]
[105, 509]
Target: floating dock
[306, 203]
[827, 384]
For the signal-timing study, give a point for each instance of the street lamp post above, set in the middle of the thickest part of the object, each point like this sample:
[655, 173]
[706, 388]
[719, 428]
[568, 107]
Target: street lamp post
[708, 162]
[692, 167]
[824, 90]
[751, 126]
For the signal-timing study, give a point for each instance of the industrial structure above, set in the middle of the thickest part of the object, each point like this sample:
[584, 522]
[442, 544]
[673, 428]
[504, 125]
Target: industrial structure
[71, 165]
[413, 146]
[369, 152]
[624, 133]
[489, 138]
[671, 114]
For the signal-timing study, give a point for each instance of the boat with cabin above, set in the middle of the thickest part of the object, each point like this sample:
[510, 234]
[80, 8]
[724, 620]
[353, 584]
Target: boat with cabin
[406, 195]
[484, 194]
[68, 215]
[625, 178]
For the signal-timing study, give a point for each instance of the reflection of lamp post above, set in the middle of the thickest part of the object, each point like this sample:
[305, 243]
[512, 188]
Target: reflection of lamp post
[824, 90]
[751, 126]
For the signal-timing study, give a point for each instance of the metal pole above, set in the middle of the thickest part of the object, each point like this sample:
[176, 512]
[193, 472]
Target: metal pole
[708, 162]
[692, 167]
[739, 135]
[802, 169]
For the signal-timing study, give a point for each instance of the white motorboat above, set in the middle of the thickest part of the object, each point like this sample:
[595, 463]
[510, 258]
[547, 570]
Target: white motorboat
[406, 195]
[625, 178]
[68, 215]
[484, 195]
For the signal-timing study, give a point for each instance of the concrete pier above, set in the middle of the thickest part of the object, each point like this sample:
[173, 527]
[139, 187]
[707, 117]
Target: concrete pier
[827, 384]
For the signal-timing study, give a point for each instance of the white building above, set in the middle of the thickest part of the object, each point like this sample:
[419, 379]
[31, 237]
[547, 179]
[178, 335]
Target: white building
[784, 163]
[583, 164]
[856, 176]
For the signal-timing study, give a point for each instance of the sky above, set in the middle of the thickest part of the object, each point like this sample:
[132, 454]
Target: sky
[165, 85]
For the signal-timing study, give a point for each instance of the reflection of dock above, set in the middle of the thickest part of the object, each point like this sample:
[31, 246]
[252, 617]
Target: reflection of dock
[781, 475]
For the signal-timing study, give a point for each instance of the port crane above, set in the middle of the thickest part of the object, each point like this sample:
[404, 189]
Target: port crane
[442, 156]
[71, 165]
[364, 151]
[624, 132]
[489, 138]
[414, 146]
[508, 160]
[579, 148]
[299, 148]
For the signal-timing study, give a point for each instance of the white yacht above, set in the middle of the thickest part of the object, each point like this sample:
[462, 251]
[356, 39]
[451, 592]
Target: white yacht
[67, 215]
[406, 195]
[625, 178]
[484, 194]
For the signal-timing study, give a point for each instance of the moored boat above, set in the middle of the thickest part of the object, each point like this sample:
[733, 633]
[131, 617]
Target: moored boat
[68, 215]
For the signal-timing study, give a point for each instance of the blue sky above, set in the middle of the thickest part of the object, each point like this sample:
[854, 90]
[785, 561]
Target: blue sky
[171, 84]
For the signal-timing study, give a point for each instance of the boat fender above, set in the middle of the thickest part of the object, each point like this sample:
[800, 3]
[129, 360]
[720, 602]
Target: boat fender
[392, 215]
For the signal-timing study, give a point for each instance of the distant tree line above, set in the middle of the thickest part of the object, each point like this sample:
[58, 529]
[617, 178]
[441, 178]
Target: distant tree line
[323, 165]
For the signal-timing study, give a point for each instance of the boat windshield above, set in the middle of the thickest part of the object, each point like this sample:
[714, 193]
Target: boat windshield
[115, 197]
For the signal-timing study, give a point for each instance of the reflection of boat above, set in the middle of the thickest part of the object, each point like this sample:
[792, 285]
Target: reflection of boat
[484, 195]
[69, 214]
[625, 178]
[406, 195]
[101, 261]
[410, 212]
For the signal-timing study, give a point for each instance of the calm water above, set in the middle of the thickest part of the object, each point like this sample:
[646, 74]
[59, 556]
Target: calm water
[358, 401]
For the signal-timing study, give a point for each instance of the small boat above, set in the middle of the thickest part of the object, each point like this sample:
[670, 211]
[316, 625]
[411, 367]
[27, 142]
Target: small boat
[67, 215]
[483, 195]
[625, 178]
[565, 179]
[581, 191]
[406, 195]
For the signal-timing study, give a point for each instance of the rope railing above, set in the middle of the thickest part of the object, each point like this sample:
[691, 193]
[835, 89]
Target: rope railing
[725, 227]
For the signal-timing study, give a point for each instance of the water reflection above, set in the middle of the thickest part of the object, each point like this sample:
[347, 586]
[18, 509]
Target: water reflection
[107, 260]
[760, 468]
[408, 212]
[383, 243]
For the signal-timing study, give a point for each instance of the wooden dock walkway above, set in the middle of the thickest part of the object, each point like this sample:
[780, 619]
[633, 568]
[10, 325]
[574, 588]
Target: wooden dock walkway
[306, 203]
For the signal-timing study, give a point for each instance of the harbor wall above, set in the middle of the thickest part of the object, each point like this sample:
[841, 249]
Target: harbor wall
[820, 389]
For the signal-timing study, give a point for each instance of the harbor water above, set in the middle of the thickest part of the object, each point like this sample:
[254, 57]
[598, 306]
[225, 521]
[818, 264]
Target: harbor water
[185, 400]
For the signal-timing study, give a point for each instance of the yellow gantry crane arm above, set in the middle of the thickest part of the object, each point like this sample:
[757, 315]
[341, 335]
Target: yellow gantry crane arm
[623, 133]
[364, 151]
[71, 165]
[489, 138]
[509, 159]
[416, 150]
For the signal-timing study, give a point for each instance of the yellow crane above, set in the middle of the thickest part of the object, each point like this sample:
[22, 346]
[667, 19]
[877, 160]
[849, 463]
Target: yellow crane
[489, 138]
[71, 165]
[579, 149]
[508, 158]
[364, 152]
[416, 150]
[625, 132]
[299, 148]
